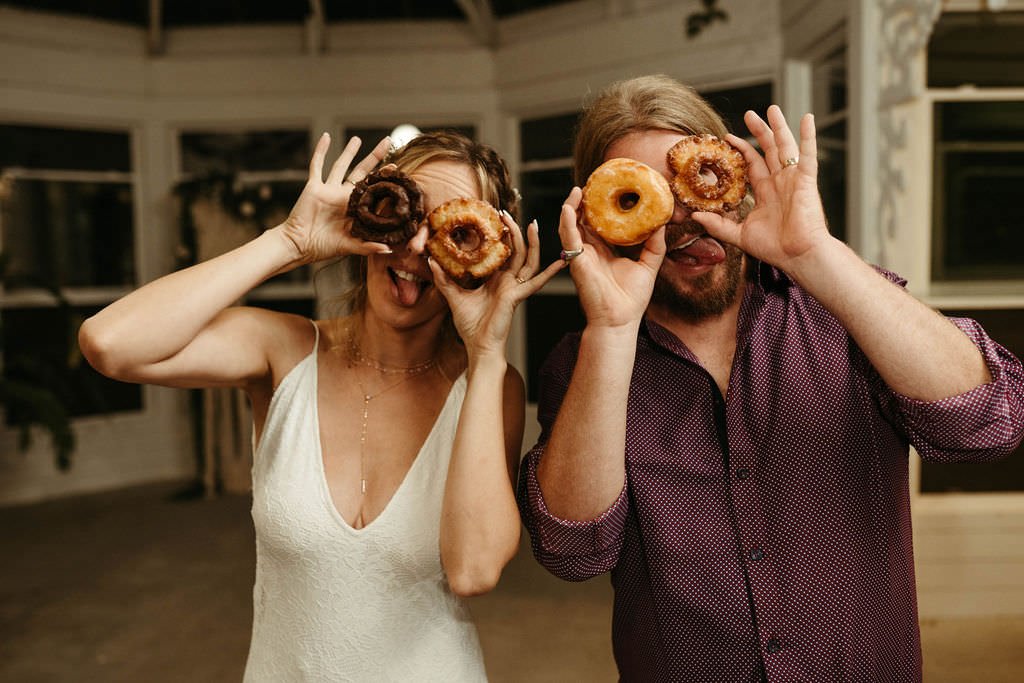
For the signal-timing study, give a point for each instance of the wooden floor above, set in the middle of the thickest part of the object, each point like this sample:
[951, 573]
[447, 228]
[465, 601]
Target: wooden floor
[144, 585]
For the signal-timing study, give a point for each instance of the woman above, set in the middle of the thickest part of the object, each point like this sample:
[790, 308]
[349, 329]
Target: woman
[386, 441]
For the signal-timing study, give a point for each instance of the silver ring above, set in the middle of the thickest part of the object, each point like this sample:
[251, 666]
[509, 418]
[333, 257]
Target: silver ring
[792, 161]
[569, 254]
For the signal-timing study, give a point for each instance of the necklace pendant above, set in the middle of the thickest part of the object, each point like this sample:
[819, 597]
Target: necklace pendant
[362, 485]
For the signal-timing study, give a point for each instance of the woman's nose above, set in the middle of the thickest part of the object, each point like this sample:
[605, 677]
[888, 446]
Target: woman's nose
[417, 244]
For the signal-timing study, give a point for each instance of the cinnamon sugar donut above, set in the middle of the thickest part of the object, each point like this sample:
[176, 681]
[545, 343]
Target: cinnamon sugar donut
[696, 157]
[625, 201]
[468, 240]
[386, 206]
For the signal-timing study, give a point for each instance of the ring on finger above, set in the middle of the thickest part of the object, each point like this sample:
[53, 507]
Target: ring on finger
[520, 280]
[791, 161]
[569, 254]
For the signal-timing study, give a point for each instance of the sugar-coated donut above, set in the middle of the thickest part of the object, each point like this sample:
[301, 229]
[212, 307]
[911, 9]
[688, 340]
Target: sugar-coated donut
[696, 157]
[625, 201]
[386, 206]
[468, 240]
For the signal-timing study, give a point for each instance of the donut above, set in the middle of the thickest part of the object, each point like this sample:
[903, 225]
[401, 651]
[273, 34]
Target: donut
[468, 240]
[625, 201]
[697, 158]
[386, 206]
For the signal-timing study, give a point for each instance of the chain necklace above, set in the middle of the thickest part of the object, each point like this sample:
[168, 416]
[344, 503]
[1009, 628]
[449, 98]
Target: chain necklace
[355, 354]
[356, 357]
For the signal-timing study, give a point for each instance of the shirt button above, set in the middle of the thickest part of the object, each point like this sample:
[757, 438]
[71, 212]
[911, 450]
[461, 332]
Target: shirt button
[756, 554]
[772, 646]
[743, 473]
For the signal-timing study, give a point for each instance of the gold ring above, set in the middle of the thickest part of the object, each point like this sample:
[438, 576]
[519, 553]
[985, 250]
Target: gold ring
[792, 161]
[520, 280]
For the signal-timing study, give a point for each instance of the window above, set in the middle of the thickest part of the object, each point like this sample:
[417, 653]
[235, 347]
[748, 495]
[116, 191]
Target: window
[236, 184]
[979, 49]
[829, 93]
[979, 164]
[1006, 326]
[67, 235]
[545, 180]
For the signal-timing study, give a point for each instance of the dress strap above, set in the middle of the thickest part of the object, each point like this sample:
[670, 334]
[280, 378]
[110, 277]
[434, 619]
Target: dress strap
[316, 338]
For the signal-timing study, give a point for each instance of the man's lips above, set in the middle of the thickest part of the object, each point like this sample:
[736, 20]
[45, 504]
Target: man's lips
[700, 249]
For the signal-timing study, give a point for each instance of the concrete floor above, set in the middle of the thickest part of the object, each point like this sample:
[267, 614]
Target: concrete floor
[145, 585]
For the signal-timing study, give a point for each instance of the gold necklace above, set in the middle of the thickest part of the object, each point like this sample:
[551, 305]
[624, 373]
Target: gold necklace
[355, 354]
[408, 373]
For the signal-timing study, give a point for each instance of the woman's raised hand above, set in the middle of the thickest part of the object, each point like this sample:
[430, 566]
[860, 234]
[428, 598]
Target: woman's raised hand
[614, 290]
[317, 225]
[483, 316]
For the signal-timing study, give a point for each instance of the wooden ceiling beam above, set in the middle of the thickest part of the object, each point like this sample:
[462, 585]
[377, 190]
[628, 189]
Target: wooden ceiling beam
[481, 18]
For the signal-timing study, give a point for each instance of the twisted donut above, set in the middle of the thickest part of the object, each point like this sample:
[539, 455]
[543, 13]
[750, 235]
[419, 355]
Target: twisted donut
[386, 206]
[468, 240]
[625, 201]
[693, 159]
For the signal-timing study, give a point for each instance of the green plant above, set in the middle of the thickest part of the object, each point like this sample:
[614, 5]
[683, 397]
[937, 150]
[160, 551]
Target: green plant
[30, 393]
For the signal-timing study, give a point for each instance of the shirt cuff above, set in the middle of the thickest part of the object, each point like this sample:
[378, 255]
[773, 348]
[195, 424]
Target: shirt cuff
[983, 423]
[572, 538]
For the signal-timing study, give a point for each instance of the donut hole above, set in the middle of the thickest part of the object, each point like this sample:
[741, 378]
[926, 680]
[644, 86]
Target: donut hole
[628, 200]
[466, 237]
[709, 174]
[386, 207]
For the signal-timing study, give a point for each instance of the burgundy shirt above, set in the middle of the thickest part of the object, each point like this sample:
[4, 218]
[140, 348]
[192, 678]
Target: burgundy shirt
[766, 535]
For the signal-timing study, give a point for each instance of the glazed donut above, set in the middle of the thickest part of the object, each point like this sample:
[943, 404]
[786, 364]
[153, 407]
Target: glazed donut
[468, 240]
[625, 201]
[693, 159]
[386, 206]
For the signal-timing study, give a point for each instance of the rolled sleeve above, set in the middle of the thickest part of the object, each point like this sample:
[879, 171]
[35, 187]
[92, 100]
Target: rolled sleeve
[570, 549]
[983, 424]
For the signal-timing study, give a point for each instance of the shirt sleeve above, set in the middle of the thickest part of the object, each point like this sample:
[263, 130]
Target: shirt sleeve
[983, 424]
[569, 549]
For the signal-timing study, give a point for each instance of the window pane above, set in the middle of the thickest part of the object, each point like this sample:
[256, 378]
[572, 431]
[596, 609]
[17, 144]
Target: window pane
[61, 148]
[547, 138]
[71, 234]
[548, 319]
[832, 176]
[274, 150]
[983, 49]
[732, 103]
[40, 347]
[543, 194]
[1007, 328]
[979, 154]
[222, 208]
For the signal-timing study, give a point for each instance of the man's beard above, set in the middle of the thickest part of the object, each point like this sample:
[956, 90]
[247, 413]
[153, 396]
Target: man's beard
[707, 295]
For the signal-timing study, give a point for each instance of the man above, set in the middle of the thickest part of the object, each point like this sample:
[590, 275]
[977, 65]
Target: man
[729, 433]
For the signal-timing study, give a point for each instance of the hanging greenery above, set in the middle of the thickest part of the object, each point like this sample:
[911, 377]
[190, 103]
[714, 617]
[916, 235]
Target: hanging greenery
[31, 393]
[698, 21]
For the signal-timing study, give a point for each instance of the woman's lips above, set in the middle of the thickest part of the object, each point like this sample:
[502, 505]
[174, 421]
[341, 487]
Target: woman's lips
[408, 285]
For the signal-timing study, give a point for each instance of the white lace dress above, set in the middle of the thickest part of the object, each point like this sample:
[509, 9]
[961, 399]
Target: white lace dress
[334, 603]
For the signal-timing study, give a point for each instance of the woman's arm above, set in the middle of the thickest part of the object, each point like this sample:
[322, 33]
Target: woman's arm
[179, 331]
[480, 520]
